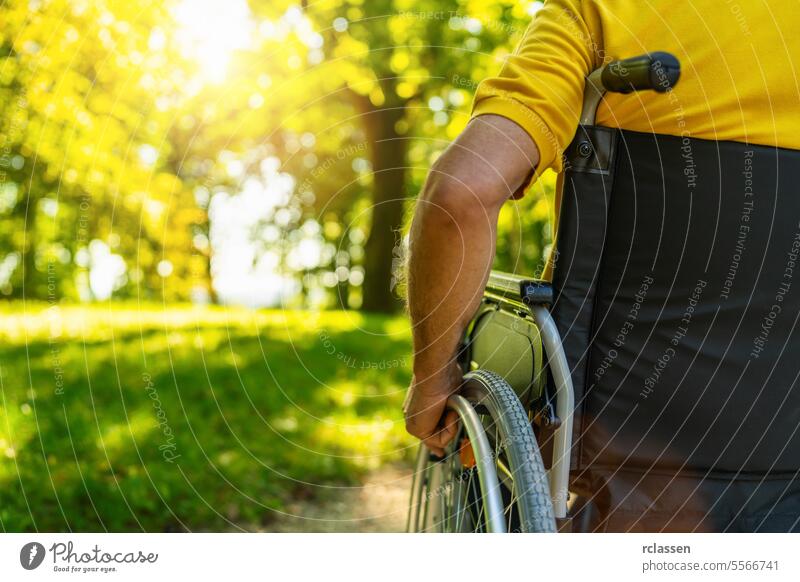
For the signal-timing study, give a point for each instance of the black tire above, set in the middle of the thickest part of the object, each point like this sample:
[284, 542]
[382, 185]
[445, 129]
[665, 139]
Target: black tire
[445, 495]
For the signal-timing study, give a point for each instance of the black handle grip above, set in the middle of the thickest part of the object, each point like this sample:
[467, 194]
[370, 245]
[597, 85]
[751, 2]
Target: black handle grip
[657, 71]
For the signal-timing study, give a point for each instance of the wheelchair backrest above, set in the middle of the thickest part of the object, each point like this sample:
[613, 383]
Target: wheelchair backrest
[677, 296]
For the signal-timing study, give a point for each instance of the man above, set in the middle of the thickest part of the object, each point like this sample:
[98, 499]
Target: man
[739, 83]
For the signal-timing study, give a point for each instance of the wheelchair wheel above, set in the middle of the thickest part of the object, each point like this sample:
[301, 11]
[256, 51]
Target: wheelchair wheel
[472, 489]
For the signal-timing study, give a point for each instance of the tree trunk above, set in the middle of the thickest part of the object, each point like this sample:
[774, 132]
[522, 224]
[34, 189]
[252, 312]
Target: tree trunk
[180, 151]
[389, 162]
[343, 295]
[28, 287]
[205, 228]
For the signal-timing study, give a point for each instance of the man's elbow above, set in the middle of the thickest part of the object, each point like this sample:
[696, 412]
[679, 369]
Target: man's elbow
[456, 200]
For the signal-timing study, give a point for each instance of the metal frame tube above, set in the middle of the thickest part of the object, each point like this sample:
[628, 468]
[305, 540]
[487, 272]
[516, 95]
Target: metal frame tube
[484, 458]
[412, 521]
[592, 95]
[565, 406]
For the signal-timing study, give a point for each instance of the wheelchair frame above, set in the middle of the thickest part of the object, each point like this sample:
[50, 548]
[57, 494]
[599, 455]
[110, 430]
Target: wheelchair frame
[536, 296]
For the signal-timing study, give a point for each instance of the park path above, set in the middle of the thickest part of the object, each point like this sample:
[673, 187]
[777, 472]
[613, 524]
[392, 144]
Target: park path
[378, 505]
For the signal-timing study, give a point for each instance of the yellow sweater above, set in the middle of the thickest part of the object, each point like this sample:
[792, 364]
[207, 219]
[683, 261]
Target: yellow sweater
[739, 71]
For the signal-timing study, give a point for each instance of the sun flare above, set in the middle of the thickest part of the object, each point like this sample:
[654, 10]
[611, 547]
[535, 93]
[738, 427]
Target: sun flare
[211, 31]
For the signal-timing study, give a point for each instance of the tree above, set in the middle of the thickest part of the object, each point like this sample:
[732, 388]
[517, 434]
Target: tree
[401, 72]
[86, 103]
[111, 138]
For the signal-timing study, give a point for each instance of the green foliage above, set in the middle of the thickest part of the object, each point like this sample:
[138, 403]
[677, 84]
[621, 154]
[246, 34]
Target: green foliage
[393, 72]
[82, 97]
[252, 406]
[110, 131]
[524, 231]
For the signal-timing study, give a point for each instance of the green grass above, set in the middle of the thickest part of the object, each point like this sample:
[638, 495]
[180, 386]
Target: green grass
[166, 418]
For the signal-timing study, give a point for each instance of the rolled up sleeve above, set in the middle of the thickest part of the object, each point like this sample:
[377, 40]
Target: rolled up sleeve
[540, 86]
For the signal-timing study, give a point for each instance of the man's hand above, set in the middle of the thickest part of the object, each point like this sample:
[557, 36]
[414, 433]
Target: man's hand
[450, 256]
[425, 407]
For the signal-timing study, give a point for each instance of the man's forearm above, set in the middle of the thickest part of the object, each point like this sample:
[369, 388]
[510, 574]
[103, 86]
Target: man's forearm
[451, 253]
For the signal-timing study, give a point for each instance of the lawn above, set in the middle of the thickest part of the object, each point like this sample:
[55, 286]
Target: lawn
[171, 418]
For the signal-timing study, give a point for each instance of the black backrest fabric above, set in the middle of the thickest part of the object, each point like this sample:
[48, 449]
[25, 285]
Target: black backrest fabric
[679, 306]
[585, 193]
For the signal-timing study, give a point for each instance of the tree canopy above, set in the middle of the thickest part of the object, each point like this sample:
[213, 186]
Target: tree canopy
[150, 150]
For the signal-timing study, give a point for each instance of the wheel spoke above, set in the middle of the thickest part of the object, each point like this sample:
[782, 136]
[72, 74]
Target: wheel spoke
[509, 510]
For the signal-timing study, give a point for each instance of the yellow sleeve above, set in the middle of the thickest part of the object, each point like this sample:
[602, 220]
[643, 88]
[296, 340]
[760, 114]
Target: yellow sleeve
[540, 86]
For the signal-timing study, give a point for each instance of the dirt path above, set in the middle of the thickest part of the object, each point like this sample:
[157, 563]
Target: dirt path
[379, 505]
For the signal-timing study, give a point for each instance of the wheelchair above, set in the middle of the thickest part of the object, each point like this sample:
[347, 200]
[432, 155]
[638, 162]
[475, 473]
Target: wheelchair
[651, 385]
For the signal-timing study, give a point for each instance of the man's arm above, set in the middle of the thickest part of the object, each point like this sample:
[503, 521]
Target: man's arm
[453, 236]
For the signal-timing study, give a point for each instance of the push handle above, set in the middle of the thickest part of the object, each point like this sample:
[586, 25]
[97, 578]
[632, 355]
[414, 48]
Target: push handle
[657, 71]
